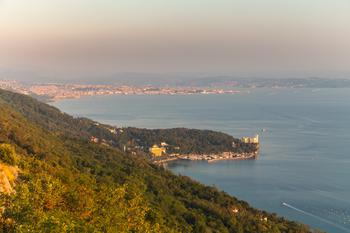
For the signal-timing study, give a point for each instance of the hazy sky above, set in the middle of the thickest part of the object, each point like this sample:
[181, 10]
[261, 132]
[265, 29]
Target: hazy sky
[252, 37]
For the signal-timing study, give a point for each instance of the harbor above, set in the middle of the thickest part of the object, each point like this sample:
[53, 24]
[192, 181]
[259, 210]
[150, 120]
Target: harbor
[210, 158]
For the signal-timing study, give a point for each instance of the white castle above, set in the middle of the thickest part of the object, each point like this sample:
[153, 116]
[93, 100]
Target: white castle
[254, 140]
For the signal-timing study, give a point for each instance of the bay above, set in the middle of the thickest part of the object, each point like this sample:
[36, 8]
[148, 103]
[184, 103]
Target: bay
[304, 160]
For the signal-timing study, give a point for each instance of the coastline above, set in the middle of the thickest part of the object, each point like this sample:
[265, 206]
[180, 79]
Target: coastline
[276, 137]
[251, 156]
[209, 158]
[54, 99]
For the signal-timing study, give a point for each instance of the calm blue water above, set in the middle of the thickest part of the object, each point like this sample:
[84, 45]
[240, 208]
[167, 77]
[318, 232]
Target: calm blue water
[304, 159]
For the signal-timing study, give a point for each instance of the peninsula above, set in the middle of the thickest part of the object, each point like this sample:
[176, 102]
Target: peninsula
[159, 153]
[164, 145]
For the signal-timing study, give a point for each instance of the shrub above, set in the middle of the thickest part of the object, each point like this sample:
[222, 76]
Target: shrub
[8, 154]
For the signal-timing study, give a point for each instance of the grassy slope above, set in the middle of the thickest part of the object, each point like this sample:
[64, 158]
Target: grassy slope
[79, 182]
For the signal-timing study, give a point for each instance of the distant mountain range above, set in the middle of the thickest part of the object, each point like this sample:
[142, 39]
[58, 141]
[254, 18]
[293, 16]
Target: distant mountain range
[177, 79]
[268, 82]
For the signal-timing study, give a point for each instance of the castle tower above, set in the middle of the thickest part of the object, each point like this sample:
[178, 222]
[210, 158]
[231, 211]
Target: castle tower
[256, 139]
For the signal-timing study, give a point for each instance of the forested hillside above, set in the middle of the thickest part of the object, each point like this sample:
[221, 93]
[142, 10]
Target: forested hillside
[65, 183]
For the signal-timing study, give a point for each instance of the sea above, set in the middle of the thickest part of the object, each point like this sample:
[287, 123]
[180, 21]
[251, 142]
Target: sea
[303, 170]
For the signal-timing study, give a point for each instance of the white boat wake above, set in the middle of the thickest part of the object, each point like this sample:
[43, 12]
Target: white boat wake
[315, 216]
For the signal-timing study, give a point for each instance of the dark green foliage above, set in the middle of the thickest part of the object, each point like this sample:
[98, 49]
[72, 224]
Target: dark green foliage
[189, 140]
[68, 184]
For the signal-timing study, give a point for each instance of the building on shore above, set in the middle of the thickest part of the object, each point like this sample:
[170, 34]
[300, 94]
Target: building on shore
[252, 140]
[157, 151]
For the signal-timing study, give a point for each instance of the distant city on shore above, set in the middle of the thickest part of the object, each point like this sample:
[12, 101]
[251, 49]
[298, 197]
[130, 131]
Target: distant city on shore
[216, 85]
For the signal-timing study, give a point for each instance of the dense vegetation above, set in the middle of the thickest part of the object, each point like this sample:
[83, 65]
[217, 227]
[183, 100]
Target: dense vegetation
[68, 184]
[188, 140]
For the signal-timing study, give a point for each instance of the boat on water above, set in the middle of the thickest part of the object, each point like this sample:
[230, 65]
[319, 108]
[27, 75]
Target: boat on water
[287, 205]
